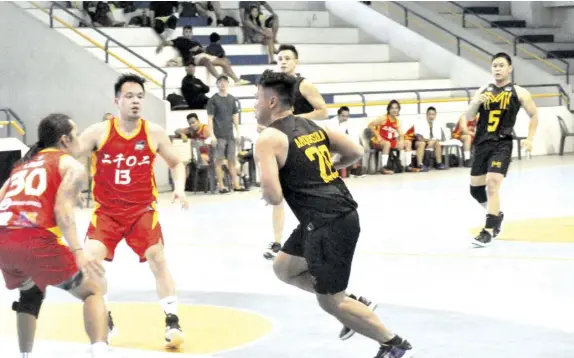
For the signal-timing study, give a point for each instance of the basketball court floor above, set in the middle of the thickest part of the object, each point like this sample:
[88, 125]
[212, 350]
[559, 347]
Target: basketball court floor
[414, 257]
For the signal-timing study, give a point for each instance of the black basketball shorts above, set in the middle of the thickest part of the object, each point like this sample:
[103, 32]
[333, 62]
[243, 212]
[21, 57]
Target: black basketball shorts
[492, 157]
[328, 250]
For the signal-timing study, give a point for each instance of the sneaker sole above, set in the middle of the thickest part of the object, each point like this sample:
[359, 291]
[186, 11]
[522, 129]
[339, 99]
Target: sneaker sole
[479, 244]
[373, 306]
[175, 339]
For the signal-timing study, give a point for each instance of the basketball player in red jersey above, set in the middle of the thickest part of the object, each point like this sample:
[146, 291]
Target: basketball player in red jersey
[497, 105]
[123, 154]
[467, 138]
[36, 211]
[308, 104]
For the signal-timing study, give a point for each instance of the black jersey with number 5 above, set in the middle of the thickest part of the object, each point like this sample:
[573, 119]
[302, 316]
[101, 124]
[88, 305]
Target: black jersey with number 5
[311, 185]
[497, 115]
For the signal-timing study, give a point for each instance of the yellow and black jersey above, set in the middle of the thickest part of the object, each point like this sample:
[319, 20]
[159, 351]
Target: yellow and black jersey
[497, 116]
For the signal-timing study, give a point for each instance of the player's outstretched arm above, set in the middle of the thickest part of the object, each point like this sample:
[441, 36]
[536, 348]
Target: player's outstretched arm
[312, 95]
[478, 99]
[270, 144]
[89, 140]
[527, 102]
[349, 151]
[74, 178]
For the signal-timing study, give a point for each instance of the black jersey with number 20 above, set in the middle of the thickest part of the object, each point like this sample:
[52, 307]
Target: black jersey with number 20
[311, 185]
[497, 115]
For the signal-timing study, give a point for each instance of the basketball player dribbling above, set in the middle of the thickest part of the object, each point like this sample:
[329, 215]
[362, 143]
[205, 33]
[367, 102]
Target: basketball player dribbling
[497, 105]
[294, 156]
[308, 104]
[123, 154]
[36, 212]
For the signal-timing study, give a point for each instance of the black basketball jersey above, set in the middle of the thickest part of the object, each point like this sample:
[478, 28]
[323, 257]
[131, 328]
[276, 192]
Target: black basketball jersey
[301, 105]
[497, 116]
[311, 185]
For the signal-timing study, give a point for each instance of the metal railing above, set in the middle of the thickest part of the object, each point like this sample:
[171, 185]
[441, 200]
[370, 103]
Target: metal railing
[459, 40]
[516, 39]
[106, 46]
[11, 120]
[561, 94]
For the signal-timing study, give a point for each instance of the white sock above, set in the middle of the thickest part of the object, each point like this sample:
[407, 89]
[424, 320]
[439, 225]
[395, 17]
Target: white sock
[99, 348]
[385, 160]
[169, 305]
[26, 355]
[408, 158]
[466, 155]
[485, 204]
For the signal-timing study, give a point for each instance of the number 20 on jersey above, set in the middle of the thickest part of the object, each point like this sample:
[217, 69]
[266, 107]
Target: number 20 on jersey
[323, 156]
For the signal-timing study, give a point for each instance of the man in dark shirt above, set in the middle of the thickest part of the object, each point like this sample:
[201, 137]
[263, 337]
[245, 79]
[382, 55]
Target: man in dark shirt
[193, 89]
[294, 155]
[164, 17]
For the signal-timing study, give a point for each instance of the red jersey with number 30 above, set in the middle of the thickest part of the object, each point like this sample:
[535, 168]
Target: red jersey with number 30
[122, 169]
[31, 193]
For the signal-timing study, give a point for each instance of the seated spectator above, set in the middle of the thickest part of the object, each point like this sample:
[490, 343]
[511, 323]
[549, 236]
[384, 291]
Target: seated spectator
[426, 139]
[387, 134]
[214, 48]
[341, 122]
[204, 7]
[142, 20]
[271, 22]
[467, 138]
[189, 49]
[256, 32]
[164, 15]
[199, 133]
[100, 14]
[193, 89]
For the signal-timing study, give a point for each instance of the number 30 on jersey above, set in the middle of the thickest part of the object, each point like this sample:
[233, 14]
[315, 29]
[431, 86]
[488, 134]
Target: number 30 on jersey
[322, 154]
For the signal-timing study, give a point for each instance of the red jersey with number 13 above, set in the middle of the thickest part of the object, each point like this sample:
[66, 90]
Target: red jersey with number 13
[31, 193]
[122, 169]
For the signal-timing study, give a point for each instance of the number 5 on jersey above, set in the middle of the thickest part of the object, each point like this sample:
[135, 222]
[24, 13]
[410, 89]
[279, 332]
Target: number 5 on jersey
[328, 172]
[123, 177]
[493, 120]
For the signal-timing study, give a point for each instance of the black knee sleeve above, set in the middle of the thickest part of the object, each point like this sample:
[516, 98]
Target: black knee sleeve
[479, 193]
[30, 302]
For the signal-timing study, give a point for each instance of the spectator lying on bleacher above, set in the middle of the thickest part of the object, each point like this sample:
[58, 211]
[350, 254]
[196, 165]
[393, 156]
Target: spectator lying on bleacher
[386, 134]
[256, 32]
[466, 139]
[189, 49]
[199, 133]
[428, 138]
[193, 89]
[164, 15]
[272, 22]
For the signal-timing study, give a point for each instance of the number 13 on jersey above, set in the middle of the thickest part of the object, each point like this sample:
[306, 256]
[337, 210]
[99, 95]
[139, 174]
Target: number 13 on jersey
[322, 154]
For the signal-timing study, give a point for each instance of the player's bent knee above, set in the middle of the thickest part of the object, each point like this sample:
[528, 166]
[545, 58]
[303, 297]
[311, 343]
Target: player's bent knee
[97, 249]
[479, 193]
[329, 303]
[30, 302]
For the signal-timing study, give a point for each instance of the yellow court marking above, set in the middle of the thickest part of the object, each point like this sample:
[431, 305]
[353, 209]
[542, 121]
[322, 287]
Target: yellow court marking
[542, 230]
[207, 329]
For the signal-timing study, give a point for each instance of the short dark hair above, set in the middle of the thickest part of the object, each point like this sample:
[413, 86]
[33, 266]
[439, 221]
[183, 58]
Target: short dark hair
[192, 115]
[289, 48]
[390, 105]
[282, 83]
[222, 77]
[431, 108]
[127, 78]
[342, 109]
[50, 130]
[214, 37]
[188, 27]
[503, 55]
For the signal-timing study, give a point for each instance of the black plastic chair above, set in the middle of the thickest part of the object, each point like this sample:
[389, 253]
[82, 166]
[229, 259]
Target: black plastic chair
[518, 143]
[564, 133]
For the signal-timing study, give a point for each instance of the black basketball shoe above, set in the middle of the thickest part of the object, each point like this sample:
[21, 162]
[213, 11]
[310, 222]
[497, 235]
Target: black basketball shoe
[173, 332]
[483, 239]
[272, 251]
[401, 349]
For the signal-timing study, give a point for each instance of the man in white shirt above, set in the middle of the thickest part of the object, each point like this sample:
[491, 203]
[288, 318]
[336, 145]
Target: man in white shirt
[429, 135]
